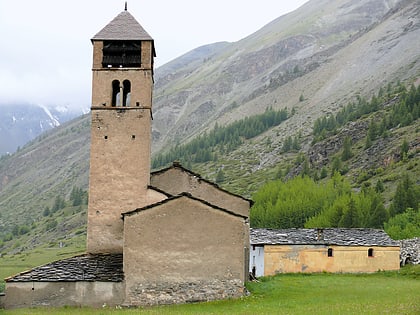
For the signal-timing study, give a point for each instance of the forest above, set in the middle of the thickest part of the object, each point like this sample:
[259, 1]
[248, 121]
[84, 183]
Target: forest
[313, 200]
[303, 202]
[225, 138]
[405, 109]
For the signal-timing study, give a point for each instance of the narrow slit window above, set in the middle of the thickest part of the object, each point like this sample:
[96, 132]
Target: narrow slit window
[115, 92]
[127, 93]
[330, 252]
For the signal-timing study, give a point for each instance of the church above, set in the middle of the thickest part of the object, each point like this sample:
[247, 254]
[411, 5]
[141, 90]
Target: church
[153, 238]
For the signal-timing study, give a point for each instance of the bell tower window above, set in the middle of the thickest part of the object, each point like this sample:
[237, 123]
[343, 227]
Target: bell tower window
[126, 93]
[115, 93]
[121, 54]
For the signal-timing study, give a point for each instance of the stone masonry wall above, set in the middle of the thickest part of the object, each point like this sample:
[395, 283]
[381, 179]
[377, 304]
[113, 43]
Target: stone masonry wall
[186, 292]
[410, 251]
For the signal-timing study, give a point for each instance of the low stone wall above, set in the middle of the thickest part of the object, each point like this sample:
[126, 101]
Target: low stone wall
[184, 292]
[410, 251]
[57, 294]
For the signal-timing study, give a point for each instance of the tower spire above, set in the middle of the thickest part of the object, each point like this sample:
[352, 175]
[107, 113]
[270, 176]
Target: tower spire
[125, 8]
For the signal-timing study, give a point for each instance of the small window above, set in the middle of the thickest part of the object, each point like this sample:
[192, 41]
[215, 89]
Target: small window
[126, 93]
[106, 137]
[370, 252]
[115, 93]
[330, 252]
[133, 137]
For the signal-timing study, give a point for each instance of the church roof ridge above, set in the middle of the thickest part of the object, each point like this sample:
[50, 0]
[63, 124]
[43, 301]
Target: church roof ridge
[123, 27]
[183, 194]
[177, 164]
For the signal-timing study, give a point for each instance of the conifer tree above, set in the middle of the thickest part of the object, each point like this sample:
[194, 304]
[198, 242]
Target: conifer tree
[347, 153]
[350, 217]
[406, 196]
[220, 177]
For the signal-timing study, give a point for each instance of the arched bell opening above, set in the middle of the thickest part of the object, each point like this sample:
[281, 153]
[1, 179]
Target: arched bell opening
[126, 93]
[115, 93]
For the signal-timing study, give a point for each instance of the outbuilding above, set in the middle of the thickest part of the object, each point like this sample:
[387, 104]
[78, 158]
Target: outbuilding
[322, 250]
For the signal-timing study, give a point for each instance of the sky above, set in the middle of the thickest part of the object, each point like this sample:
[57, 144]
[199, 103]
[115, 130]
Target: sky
[46, 53]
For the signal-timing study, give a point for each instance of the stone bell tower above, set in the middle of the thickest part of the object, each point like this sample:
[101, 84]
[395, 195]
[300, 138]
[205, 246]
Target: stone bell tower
[122, 83]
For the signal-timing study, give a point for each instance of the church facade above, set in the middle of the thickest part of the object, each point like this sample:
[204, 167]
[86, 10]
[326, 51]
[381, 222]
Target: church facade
[152, 238]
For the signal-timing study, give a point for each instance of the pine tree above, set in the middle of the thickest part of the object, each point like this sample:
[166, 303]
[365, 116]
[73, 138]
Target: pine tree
[404, 148]
[368, 141]
[335, 165]
[378, 213]
[220, 177]
[406, 196]
[347, 153]
[379, 187]
[350, 217]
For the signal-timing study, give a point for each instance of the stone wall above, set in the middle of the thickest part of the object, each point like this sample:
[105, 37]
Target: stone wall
[119, 173]
[57, 294]
[186, 292]
[176, 180]
[186, 248]
[410, 251]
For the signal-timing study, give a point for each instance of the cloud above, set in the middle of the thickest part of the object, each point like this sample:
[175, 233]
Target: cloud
[46, 51]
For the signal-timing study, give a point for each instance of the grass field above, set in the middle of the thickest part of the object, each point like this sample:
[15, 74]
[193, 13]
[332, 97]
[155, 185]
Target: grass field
[13, 264]
[378, 293]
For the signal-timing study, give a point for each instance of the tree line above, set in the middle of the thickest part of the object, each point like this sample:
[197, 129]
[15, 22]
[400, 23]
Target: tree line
[303, 202]
[222, 139]
[404, 111]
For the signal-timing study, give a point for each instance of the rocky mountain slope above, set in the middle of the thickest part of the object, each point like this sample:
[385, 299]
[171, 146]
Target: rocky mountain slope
[20, 123]
[326, 51]
[313, 60]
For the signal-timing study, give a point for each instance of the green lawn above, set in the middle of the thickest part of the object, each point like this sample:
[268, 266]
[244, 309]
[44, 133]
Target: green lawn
[379, 293]
[13, 264]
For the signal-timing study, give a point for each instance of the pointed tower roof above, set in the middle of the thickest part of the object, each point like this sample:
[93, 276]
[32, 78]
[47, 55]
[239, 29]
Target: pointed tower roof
[123, 27]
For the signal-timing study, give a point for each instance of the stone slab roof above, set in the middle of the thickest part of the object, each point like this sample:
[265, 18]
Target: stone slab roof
[123, 27]
[87, 267]
[326, 236]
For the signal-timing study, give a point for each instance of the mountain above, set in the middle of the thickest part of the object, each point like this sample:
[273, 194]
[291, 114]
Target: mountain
[20, 123]
[327, 51]
[312, 61]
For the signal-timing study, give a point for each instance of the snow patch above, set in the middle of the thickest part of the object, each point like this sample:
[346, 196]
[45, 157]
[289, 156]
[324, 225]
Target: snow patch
[54, 121]
[61, 109]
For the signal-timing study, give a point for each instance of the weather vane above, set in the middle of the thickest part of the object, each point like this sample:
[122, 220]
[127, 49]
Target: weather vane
[125, 6]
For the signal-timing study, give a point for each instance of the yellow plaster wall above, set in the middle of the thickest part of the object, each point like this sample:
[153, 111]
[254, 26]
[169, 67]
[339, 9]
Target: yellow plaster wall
[314, 258]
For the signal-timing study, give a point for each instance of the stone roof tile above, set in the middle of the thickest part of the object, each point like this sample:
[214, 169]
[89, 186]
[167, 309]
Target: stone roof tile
[326, 236]
[123, 27]
[87, 267]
